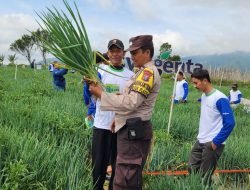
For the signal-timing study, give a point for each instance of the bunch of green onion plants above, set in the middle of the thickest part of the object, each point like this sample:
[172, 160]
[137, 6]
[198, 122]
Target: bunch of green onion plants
[68, 40]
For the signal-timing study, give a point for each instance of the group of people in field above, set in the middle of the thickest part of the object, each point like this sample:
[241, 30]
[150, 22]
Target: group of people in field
[120, 111]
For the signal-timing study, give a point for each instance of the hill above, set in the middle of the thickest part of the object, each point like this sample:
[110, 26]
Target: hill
[238, 60]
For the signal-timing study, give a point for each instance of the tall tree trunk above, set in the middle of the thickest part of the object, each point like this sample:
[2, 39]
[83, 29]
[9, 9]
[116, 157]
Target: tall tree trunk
[44, 57]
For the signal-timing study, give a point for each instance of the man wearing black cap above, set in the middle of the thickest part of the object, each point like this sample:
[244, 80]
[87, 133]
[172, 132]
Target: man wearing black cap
[133, 110]
[104, 141]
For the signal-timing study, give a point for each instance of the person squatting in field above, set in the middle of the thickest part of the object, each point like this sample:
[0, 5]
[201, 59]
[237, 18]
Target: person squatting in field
[216, 124]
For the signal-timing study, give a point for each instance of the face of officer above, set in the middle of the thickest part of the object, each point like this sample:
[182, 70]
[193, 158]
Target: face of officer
[140, 57]
[115, 55]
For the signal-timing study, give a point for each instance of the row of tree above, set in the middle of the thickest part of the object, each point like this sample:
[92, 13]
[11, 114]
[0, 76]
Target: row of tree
[11, 59]
[27, 43]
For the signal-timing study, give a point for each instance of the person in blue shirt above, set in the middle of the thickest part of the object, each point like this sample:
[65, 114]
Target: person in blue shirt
[89, 101]
[58, 77]
[216, 124]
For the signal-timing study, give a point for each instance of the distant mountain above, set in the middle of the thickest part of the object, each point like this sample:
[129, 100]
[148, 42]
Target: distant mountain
[239, 60]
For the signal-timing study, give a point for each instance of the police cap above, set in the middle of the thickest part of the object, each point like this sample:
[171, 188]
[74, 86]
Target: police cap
[140, 41]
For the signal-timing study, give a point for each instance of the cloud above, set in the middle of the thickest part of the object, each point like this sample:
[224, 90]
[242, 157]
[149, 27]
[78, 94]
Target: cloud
[12, 27]
[214, 3]
[209, 43]
[192, 27]
[108, 5]
[99, 39]
[180, 44]
[143, 9]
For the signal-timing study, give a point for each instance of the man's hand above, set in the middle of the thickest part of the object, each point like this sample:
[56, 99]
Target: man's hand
[214, 146]
[170, 98]
[96, 90]
[87, 80]
[182, 101]
[112, 127]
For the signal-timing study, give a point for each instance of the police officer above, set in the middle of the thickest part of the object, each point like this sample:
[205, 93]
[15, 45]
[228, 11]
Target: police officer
[133, 110]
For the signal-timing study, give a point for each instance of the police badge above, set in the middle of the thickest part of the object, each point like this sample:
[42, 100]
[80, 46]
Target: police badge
[146, 75]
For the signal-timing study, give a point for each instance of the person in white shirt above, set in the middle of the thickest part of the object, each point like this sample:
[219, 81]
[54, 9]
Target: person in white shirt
[51, 66]
[216, 124]
[181, 90]
[235, 95]
[104, 141]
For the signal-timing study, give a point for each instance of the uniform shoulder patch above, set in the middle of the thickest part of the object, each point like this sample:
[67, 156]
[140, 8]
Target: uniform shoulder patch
[144, 82]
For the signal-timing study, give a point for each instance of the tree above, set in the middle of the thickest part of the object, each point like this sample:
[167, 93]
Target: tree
[23, 46]
[12, 59]
[175, 58]
[1, 59]
[39, 37]
[165, 47]
[165, 53]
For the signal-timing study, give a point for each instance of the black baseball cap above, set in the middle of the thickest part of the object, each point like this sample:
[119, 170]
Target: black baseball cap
[117, 43]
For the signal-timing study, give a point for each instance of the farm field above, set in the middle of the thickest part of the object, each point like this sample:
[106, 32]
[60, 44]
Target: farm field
[44, 143]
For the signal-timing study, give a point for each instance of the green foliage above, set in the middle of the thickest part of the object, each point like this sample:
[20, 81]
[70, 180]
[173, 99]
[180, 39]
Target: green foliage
[44, 143]
[23, 46]
[39, 37]
[179, 183]
[165, 47]
[69, 41]
[12, 59]
[175, 58]
[1, 59]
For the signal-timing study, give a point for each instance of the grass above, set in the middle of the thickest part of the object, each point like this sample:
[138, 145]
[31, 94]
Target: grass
[44, 143]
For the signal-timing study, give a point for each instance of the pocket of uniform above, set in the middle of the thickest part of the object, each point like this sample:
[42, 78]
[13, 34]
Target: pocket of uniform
[128, 175]
[136, 130]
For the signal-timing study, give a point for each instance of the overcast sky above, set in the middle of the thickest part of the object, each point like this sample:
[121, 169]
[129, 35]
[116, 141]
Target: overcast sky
[192, 27]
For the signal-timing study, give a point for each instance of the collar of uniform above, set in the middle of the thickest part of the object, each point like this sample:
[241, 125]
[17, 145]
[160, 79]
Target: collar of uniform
[210, 93]
[148, 64]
